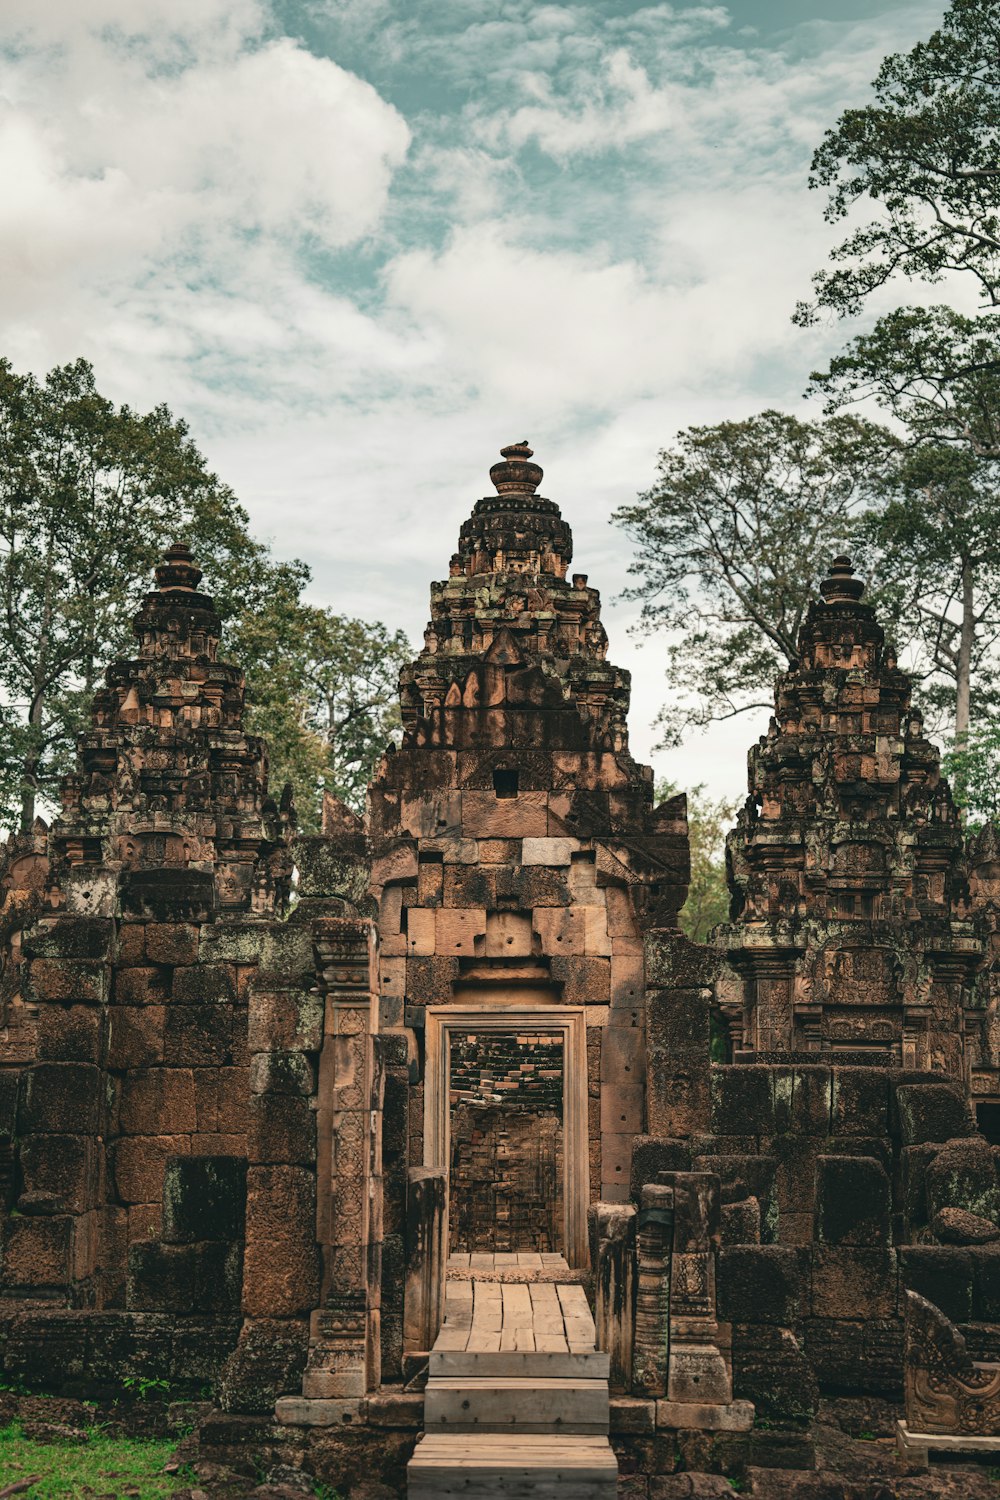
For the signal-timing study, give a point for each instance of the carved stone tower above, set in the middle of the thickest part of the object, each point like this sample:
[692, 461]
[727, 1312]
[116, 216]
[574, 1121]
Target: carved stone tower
[850, 935]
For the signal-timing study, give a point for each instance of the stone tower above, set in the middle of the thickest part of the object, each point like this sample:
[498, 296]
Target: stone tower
[850, 939]
[516, 857]
[170, 799]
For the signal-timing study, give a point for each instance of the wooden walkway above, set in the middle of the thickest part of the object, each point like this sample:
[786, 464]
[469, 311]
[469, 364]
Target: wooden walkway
[486, 1317]
[517, 1393]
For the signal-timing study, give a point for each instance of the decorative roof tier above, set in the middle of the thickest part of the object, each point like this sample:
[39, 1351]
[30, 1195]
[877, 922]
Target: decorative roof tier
[168, 782]
[508, 625]
[849, 894]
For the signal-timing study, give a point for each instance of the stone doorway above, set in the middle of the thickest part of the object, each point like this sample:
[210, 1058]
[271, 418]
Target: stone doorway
[505, 1117]
[507, 1149]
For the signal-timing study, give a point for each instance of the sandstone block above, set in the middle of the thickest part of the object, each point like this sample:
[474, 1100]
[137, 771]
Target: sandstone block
[760, 1284]
[846, 1280]
[487, 816]
[455, 931]
[198, 1034]
[281, 1129]
[141, 985]
[204, 1198]
[138, 1164]
[174, 943]
[281, 1073]
[281, 1268]
[287, 1020]
[562, 929]
[71, 1033]
[61, 1098]
[420, 935]
[204, 984]
[158, 1099]
[547, 851]
[63, 1166]
[37, 1253]
[68, 979]
[931, 1112]
[963, 1175]
[853, 1201]
[941, 1273]
[135, 1035]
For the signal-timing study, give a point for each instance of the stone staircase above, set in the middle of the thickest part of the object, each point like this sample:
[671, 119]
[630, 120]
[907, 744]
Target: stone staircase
[524, 1416]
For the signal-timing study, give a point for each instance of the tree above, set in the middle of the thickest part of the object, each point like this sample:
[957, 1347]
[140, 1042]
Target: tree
[973, 768]
[935, 546]
[733, 540]
[709, 820]
[90, 496]
[933, 369]
[924, 160]
[324, 694]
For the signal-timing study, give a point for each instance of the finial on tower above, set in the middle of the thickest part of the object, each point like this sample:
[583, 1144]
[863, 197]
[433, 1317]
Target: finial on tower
[178, 569]
[516, 475]
[841, 587]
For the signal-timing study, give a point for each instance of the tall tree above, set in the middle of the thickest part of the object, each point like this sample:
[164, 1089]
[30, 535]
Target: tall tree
[709, 820]
[936, 544]
[324, 694]
[935, 370]
[733, 540]
[922, 163]
[90, 495]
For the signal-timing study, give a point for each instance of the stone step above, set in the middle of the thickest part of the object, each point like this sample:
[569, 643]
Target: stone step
[515, 1467]
[472, 1403]
[451, 1363]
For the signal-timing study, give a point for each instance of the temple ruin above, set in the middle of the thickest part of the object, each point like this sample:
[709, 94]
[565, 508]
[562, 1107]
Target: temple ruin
[429, 1142]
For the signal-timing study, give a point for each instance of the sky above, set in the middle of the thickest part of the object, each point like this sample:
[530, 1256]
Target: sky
[359, 245]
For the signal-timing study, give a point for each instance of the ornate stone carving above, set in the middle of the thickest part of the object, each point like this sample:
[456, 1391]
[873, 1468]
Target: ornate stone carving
[945, 1391]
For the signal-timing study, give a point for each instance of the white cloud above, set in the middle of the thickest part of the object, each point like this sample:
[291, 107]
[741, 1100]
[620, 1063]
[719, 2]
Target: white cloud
[596, 239]
[141, 194]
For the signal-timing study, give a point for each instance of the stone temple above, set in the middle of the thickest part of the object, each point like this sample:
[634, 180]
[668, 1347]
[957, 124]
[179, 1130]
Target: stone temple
[429, 1143]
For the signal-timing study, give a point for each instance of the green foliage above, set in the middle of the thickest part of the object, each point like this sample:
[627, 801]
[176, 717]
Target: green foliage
[732, 542]
[709, 820]
[324, 694]
[90, 495]
[146, 1385]
[934, 545]
[939, 549]
[973, 768]
[922, 161]
[935, 370]
[100, 1465]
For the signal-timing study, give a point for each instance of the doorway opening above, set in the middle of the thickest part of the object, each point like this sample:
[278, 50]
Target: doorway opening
[507, 1148]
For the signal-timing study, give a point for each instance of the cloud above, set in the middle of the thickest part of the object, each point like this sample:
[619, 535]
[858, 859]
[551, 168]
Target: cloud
[359, 244]
[133, 186]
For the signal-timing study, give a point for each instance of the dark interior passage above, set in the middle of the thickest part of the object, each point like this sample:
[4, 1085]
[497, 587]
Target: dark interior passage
[507, 1157]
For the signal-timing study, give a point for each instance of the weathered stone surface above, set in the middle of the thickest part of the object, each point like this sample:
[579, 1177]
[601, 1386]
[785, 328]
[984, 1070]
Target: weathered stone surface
[853, 1202]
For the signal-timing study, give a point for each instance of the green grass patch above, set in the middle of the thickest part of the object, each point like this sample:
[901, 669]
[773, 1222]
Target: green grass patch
[101, 1466]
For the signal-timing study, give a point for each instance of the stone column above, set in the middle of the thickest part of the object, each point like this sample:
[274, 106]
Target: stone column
[699, 1383]
[344, 1342]
[655, 1227]
[613, 1237]
[423, 1309]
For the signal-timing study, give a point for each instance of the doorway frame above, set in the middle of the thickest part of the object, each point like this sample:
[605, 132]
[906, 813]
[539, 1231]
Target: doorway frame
[567, 1021]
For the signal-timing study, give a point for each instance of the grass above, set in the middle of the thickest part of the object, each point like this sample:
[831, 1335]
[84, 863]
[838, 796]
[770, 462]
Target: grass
[102, 1466]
